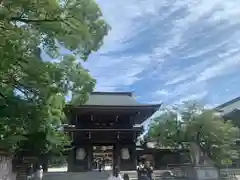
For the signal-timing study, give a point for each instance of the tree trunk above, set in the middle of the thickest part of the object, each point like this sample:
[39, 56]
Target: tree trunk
[6, 168]
[195, 153]
[198, 156]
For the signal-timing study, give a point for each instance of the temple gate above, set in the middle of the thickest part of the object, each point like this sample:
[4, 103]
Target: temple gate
[108, 119]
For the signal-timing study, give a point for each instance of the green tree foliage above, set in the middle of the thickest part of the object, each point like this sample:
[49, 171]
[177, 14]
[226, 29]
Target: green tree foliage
[33, 90]
[188, 124]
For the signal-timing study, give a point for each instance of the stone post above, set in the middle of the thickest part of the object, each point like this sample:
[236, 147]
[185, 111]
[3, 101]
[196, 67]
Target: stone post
[6, 172]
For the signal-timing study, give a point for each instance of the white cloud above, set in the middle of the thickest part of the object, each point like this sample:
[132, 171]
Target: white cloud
[111, 74]
[225, 65]
[120, 15]
[210, 106]
[191, 42]
[162, 92]
[196, 96]
[188, 88]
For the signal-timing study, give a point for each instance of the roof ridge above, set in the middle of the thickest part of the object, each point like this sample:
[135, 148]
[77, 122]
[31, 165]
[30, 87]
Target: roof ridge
[228, 103]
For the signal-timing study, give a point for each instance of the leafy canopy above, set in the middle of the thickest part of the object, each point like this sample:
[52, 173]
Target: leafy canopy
[33, 90]
[181, 126]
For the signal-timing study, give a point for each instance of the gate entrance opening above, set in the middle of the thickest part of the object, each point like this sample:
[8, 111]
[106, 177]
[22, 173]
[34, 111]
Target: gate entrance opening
[102, 158]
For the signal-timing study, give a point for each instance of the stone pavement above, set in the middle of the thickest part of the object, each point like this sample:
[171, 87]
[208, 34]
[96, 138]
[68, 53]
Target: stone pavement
[61, 174]
[92, 175]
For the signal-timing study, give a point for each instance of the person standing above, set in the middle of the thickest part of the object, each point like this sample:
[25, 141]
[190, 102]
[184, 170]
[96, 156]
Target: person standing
[30, 172]
[95, 164]
[149, 170]
[126, 177]
[103, 163]
[116, 175]
[100, 165]
[111, 177]
[145, 171]
[142, 172]
[39, 173]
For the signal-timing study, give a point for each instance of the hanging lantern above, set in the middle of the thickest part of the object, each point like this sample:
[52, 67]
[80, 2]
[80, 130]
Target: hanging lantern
[104, 148]
[80, 154]
[125, 153]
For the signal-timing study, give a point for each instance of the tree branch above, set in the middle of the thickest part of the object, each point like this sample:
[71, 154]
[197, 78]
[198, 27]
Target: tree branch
[35, 20]
[22, 14]
[2, 95]
[15, 83]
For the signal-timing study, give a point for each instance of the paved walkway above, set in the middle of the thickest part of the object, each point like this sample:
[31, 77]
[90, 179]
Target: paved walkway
[64, 169]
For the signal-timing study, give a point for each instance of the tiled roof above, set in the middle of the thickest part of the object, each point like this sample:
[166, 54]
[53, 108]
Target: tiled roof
[235, 100]
[112, 99]
[229, 106]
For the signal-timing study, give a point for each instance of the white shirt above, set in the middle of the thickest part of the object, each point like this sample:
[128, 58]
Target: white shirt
[39, 173]
[111, 177]
[115, 178]
[119, 177]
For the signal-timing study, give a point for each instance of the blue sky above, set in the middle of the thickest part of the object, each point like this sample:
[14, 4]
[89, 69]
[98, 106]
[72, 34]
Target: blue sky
[170, 50]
